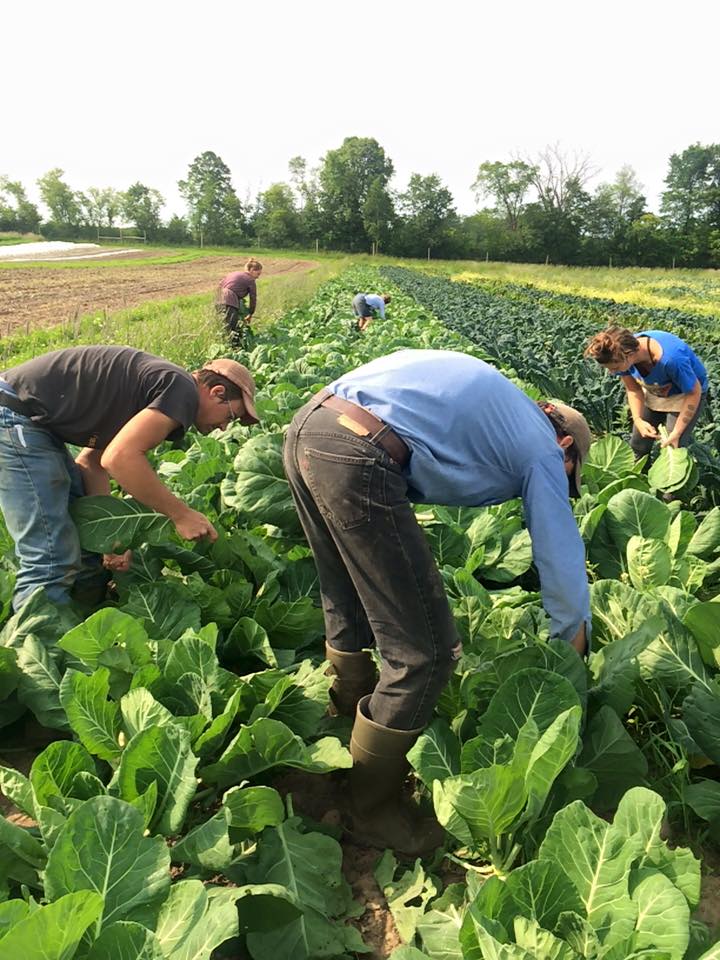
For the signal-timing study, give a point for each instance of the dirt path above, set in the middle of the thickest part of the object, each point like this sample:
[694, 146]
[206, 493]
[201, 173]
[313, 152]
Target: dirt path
[42, 297]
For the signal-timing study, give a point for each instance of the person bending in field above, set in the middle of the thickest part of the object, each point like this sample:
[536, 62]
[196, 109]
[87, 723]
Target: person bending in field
[116, 403]
[664, 381]
[428, 426]
[366, 306]
[230, 303]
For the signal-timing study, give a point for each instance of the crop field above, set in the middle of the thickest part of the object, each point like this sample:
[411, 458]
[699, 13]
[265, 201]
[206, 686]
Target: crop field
[42, 295]
[185, 803]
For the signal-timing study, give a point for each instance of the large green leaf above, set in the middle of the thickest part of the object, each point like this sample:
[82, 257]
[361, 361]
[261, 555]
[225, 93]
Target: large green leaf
[251, 809]
[701, 712]
[529, 694]
[93, 717]
[609, 458]
[104, 630]
[705, 542]
[52, 932]
[164, 608]
[102, 848]
[488, 801]
[126, 940]
[436, 753]
[39, 684]
[54, 771]
[541, 891]
[703, 621]
[308, 864]
[613, 756]
[262, 492]
[641, 815]
[663, 917]
[290, 624]
[268, 743]
[671, 469]
[21, 855]
[634, 513]
[541, 943]
[111, 525]
[597, 858]
[618, 609]
[552, 752]
[161, 755]
[649, 562]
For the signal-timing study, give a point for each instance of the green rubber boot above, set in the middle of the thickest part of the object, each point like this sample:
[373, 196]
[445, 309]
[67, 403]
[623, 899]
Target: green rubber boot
[355, 677]
[378, 814]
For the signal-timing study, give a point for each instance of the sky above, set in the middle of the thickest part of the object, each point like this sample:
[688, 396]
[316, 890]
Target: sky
[114, 93]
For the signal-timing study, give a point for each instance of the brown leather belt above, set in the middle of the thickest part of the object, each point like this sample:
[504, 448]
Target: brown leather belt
[365, 424]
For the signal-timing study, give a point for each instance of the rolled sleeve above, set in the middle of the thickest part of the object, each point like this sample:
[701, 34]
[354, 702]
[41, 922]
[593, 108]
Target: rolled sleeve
[558, 549]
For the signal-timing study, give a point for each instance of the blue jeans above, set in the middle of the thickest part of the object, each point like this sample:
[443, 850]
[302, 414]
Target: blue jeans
[38, 482]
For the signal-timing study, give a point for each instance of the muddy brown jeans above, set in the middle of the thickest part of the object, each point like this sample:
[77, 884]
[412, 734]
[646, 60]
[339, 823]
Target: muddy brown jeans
[378, 580]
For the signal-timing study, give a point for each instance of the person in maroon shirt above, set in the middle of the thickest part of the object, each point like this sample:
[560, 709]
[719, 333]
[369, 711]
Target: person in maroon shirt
[230, 303]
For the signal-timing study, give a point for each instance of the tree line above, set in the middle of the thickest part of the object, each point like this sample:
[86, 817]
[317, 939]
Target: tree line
[531, 209]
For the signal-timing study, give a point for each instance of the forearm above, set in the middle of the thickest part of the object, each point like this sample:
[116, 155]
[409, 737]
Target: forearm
[636, 402]
[136, 477]
[688, 409]
[96, 481]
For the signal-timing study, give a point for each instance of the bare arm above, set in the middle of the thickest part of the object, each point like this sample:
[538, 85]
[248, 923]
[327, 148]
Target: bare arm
[579, 641]
[126, 461]
[636, 402]
[688, 409]
[95, 478]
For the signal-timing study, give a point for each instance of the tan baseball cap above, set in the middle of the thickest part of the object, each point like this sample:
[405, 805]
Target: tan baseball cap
[239, 375]
[576, 426]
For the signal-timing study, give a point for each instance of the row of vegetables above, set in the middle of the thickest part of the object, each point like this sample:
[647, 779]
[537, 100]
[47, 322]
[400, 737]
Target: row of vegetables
[156, 831]
[541, 334]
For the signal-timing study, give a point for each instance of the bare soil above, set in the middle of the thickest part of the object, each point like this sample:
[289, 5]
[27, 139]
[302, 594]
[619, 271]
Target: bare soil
[35, 297]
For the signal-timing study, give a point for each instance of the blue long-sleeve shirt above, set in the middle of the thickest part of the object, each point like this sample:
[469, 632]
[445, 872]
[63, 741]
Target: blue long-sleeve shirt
[476, 439]
[376, 302]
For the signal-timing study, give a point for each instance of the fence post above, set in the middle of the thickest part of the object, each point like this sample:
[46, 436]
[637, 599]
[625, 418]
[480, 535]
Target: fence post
[428, 253]
[547, 259]
[317, 245]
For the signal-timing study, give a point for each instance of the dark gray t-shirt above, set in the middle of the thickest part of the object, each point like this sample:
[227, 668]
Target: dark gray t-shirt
[85, 395]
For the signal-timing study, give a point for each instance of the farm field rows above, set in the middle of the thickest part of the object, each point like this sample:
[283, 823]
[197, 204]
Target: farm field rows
[181, 814]
[695, 291]
[40, 295]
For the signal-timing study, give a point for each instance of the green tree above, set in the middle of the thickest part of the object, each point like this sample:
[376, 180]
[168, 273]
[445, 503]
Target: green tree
[378, 212]
[215, 212]
[101, 206]
[345, 177]
[507, 184]
[307, 191]
[609, 215]
[16, 211]
[428, 215]
[692, 197]
[141, 206]
[176, 230]
[277, 222]
[61, 201]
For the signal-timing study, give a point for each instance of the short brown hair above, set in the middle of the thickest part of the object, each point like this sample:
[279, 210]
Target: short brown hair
[612, 345]
[386, 297]
[253, 264]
